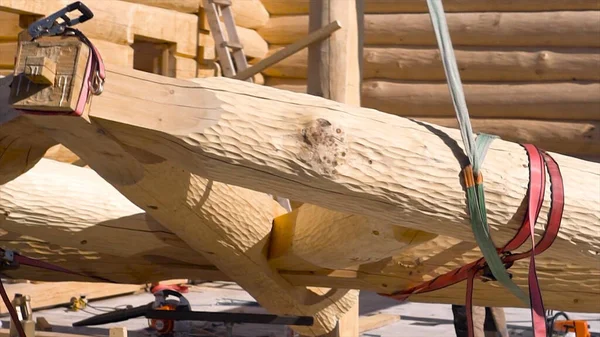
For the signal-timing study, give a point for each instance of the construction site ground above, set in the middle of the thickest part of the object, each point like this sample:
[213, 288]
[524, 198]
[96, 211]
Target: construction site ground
[398, 319]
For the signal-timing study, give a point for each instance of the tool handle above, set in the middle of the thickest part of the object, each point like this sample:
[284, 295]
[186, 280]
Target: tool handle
[85, 11]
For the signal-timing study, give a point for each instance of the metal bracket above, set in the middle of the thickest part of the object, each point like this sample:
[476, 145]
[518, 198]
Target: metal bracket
[7, 260]
[49, 25]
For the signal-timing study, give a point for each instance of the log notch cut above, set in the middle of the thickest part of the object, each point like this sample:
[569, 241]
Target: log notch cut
[381, 168]
[230, 226]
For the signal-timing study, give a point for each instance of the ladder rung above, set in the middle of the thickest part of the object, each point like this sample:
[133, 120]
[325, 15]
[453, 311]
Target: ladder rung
[222, 2]
[232, 45]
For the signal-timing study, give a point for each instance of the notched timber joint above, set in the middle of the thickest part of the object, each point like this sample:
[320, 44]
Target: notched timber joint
[49, 75]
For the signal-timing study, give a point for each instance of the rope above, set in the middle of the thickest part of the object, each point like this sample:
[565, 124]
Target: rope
[475, 149]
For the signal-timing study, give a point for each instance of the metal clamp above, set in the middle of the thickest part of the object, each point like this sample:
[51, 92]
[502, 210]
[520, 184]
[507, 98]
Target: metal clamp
[49, 26]
[7, 260]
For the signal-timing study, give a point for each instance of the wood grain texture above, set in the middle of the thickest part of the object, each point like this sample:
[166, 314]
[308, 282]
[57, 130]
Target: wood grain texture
[9, 26]
[120, 21]
[228, 225]
[254, 45]
[185, 6]
[249, 13]
[287, 7]
[8, 50]
[475, 64]
[367, 171]
[334, 62]
[543, 29]
[577, 138]
[131, 270]
[543, 101]
[86, 215]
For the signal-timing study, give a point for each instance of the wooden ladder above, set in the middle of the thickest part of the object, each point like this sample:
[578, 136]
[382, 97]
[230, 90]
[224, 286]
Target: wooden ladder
[230, 50]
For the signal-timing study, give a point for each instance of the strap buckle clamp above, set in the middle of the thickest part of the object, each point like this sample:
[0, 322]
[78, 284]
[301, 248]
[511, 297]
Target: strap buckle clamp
[50, 26]
[7, 260]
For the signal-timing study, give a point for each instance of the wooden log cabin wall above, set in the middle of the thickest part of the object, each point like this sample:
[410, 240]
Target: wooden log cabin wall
[531, 68]
[165, 37]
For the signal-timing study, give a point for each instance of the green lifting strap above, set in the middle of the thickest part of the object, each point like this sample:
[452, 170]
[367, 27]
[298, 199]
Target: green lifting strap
[475, 148]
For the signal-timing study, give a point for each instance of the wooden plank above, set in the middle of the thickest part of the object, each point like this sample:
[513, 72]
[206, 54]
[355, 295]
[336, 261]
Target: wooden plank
[9, 26]
[372, 322]
[544, 29]
[289, 50]
[185, 6]
[475, 64]
[287, 7]
[45, 295]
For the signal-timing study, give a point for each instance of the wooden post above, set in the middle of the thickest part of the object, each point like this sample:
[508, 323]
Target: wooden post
[334, 72]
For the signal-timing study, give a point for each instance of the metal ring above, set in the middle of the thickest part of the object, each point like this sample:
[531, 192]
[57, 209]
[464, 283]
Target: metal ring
[97, 84]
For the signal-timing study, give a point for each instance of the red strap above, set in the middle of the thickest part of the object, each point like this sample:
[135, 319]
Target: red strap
[538, 161]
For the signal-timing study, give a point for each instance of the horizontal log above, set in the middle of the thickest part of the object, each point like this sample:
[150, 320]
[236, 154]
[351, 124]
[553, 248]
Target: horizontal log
[543, 29]
[284, 162]
[86, 215]
[112, 53]
[178, 28]
[119, 21]
[185, 6]
[254, 45]
[246, 13]
[574, 138]
[249, 13]
[475, 64]
[8, 50]
[548, 101]
[287, 7]
[135, 269]
[283, 155]
[9, 26]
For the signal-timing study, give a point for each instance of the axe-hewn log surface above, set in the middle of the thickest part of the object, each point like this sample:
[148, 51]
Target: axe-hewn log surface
[346, 158]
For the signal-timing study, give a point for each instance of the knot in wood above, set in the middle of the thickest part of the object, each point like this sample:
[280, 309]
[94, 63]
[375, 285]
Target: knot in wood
[324, 146]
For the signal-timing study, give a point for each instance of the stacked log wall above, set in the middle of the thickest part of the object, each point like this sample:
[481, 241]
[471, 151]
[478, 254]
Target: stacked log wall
[531, 69]
[132, 33]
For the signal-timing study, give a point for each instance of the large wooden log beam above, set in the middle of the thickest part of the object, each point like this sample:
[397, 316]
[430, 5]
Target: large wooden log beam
[475, 64]
[212, 114]
[548, 29]
[345, 158]
[144, 268]
[73, 206]
[287, 7]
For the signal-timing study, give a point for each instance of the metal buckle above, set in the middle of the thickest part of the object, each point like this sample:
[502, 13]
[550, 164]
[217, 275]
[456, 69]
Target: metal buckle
[7, 261]
[487, 275]
[49, 26]
[97, 84]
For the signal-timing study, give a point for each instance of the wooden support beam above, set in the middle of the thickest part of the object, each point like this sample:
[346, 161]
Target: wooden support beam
[289, 50]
